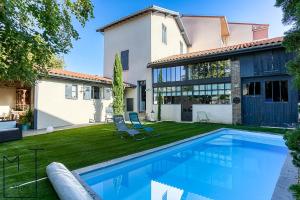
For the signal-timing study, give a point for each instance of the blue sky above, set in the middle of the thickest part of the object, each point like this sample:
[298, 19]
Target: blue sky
[87, 53]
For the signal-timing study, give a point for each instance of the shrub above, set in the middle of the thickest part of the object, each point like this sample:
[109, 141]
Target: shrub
[293, 142]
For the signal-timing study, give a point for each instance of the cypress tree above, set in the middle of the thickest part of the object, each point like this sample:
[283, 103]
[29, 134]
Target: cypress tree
[159, 101]
[118, 87]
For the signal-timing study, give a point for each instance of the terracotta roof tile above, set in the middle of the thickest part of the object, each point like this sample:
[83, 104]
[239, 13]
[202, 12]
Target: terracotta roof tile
[88, 77]
[217, 51]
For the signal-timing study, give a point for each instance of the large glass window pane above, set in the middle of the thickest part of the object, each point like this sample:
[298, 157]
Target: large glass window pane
[251, 89]
[214, 86]
[221, 86]
[177, 77]
[195, 72]
[268, 91]
[155, 75]
[214, 92]
[169, 74]
[173, 72]
[182, 73]
[257, 88]
[227, 86]
[208, 87]
[214, 69]
[164, 74]
[202, 87]
[188, 71]
[276, 91]
[284, 91]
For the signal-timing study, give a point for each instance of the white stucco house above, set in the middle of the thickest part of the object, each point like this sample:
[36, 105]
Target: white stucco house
[64, 98]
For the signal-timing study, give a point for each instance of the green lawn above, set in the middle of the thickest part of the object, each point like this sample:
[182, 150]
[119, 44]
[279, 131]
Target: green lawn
[81, 147]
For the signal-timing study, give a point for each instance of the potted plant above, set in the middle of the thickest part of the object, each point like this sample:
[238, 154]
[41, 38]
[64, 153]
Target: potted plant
[26, 120]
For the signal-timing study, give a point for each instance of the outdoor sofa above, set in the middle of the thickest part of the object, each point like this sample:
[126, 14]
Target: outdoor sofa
[9, 130]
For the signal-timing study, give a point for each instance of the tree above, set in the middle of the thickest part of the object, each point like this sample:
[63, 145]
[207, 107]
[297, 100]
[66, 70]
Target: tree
[291, 16]
[31, 32]
[159, 100]
[118, 87]
[56, 62]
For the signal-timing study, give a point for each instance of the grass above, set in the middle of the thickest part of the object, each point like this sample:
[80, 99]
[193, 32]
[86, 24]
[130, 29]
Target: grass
[81, 147]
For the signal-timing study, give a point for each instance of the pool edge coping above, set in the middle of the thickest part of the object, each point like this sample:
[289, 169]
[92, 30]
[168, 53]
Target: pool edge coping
[280, 189]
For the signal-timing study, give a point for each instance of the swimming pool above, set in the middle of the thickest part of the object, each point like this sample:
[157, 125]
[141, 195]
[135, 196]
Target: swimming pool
[227, 164]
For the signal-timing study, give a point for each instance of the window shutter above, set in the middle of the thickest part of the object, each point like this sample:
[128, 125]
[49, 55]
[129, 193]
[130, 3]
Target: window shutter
[68, 91]
[107, 93]
[125, 59]
[87, 93]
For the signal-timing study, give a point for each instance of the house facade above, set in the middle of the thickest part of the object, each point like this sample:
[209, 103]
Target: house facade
[204, 67]
[63, 98]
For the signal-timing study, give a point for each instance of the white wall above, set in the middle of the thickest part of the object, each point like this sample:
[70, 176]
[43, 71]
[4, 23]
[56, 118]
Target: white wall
[215, 113]
[174, 37]
[7, 99]
[169, 112]
[204, 32]
[53, 109]
[240, 33]
[134, 35]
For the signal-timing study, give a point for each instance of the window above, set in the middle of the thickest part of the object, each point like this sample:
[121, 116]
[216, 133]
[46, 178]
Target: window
[276, 91]
[125, 59]
[129, 104]
[203, 94]
[71, 91]
[164, 34]
[155, 75]
[95, 92]
[87, 92]
[251, 89]
[181, 47]
[107, 93]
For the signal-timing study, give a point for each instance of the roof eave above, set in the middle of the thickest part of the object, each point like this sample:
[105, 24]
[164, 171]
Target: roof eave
[149, 9]
[217, 55]
[183, 31]
[128, 85]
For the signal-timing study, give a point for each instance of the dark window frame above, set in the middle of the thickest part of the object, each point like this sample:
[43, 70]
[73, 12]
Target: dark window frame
[125, 59]
[270, 85]
[129, 105]
[95, 95]
[256, 88]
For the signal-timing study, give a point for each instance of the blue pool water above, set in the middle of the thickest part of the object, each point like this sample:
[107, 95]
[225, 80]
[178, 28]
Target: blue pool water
[228, 164]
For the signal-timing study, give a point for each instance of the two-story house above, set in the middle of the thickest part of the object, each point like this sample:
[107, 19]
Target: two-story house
[211, 69]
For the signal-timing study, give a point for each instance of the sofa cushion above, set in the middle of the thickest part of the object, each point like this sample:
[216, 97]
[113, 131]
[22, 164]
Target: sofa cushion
[7, 124]
[9, 129]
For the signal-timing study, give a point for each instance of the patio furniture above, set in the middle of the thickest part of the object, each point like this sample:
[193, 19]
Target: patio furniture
[202, 117]
[108, 114]
[121, 127]
[9, 130]
[135, 121]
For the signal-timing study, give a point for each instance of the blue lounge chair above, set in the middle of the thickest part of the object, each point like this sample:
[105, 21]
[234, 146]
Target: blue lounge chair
[121, 127]
[135, 121]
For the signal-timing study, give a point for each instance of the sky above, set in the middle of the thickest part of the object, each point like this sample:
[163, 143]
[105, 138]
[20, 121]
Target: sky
[86, 56]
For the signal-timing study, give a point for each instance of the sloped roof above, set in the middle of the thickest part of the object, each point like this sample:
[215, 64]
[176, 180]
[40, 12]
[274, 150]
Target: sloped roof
[61, 73]
[238, 48]
[152, 8]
